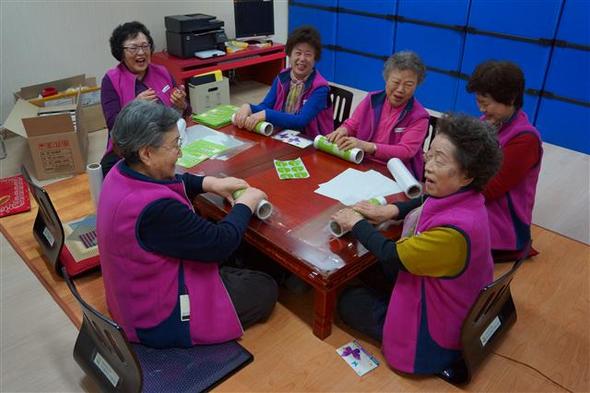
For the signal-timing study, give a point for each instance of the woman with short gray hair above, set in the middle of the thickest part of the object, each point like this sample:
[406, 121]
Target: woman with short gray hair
[391, 122]
[160, 258]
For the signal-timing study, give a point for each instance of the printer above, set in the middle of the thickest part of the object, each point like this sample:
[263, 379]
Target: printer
[187, 34]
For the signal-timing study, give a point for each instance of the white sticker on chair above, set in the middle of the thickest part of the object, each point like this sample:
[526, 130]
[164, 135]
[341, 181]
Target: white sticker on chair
[48, 236]
[490, 330]
[106, 369]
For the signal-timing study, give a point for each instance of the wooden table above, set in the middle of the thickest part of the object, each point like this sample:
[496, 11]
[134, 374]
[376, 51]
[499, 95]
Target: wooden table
[296, 235]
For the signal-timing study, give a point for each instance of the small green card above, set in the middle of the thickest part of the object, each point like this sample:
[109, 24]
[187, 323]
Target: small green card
[291, 169]
[197, 152]
[217, 117]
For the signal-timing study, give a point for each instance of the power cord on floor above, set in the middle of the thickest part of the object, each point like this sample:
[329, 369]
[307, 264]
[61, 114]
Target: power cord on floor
[534, 369]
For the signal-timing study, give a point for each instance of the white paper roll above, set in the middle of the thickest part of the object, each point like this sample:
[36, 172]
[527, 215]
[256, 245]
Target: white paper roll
[263, 209]
[335, 228]
[94, 172]
[263, 128]
[407, 182]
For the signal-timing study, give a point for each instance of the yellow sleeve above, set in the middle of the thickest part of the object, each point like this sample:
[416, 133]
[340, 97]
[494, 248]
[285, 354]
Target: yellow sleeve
[438, 252]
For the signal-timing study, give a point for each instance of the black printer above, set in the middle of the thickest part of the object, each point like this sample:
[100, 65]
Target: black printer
[187, 34]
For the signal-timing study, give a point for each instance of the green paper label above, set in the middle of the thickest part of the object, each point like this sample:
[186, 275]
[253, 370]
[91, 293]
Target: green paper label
[333, 149]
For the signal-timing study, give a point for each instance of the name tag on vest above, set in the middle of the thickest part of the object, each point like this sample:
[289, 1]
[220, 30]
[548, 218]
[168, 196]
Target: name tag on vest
[185, 308]
[399, 129]
[166, 88]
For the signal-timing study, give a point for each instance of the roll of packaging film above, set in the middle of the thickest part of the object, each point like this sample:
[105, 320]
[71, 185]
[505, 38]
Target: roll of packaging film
[355, 155]
[407, 182]
[336, 229]
[181, 125]
[263, 209]
[262, 128]
[94, 172]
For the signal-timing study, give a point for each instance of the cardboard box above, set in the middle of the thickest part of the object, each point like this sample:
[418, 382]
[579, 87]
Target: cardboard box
[81, 88]
[57, 145]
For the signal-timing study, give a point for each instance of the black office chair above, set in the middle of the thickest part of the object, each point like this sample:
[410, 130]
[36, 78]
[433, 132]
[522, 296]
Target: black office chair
[116, 365]
[431, 133]
[490, 317]
[341, 103]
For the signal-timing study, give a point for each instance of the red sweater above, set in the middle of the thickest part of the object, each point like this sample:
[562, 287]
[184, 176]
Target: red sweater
[520, 155]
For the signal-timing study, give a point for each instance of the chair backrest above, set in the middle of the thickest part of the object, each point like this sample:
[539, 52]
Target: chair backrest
[341, 103]
[47, 229]
[431, 132]
[103, 351]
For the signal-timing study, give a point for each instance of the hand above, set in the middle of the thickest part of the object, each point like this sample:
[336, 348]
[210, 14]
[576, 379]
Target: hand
[251, 197]
[336, 135]
[350, 142]
[376, 214]
[148, 95]
[254, 119]
[224, 186]
[347, 218]
[178, 98]
[242, 115]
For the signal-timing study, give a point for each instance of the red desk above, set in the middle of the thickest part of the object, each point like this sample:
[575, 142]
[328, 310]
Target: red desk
[296, 235]
[260, 64]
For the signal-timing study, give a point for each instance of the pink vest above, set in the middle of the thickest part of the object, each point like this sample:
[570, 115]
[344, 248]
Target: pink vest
[511, 215]
[324, 121]
[446, 301]
[141, 286]
[413, 112]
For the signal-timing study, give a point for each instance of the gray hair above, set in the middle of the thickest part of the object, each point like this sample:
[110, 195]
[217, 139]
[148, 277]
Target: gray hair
[141, 123]
[405, 60]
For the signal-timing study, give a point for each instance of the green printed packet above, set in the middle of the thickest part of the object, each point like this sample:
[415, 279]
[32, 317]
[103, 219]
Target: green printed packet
[217, 117]
[333, 149]
[197, 152]
[291, 169]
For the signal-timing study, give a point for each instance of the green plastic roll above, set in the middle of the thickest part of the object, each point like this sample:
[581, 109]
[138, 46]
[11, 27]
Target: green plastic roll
[263, 209]
[336, 229]
[355, 155]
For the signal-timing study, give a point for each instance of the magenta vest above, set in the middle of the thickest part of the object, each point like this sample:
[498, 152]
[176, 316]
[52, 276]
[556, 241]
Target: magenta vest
[445, 301]
[412, 112]
[141, 286]
[511, 215]
[323, 123]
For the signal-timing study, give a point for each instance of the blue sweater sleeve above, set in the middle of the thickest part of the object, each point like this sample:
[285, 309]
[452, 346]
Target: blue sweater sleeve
[169, 227]
[192, 184]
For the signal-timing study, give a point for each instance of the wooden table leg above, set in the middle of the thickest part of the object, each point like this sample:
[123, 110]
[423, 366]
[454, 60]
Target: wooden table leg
[323, 308]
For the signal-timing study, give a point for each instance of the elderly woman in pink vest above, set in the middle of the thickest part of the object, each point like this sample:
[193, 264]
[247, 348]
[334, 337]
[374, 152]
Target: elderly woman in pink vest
[160, 259]
[135, 78]
[299, 96]
[510, 195]
[391, 122]
[442, 260]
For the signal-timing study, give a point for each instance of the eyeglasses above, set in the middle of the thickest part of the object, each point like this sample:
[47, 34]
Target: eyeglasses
[175, 146]
[134, 49]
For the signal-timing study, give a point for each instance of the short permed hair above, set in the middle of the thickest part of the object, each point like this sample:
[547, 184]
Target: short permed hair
[141, 123]
[124, 32]
[476, 148]
[405, 60]
[305, 34]
[502, 80]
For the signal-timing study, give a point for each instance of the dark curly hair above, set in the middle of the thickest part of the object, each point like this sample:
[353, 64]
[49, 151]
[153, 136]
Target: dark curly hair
[502, 80]
[124, 32]
[476, 148]
[308, 35]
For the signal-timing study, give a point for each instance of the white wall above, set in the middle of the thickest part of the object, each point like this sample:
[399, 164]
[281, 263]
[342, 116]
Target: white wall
[48, 40]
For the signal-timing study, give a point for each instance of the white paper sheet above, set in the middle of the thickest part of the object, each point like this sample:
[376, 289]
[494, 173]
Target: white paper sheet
[352, 186]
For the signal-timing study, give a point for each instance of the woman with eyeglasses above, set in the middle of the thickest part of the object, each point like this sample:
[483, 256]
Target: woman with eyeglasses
[135, 77]
[160, 259]
[442, 260]
[390, 123]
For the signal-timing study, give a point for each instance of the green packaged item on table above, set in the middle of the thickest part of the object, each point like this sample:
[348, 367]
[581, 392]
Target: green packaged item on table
[197, 152]
[291, 169]
[217, 117]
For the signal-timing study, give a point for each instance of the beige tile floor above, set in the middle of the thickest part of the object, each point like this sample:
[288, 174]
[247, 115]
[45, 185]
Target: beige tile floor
[37, 338]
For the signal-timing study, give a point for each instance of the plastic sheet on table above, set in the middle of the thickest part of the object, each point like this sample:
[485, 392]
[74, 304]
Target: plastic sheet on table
[233, 143]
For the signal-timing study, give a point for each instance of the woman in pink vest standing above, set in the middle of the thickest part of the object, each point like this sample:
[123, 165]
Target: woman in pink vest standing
[391, 122]
[135, 77]
[510, 195]
[160, 259]
[442, 260]
[299, 96]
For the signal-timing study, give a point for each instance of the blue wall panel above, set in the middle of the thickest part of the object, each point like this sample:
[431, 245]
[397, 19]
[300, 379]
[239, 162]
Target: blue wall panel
[569, 74]
[452, 12]
[575, 22]
[366, 34]
[384, 7]
[564, 124]
[358, 71]
[526, 18]
[438, 92]
[326, 64]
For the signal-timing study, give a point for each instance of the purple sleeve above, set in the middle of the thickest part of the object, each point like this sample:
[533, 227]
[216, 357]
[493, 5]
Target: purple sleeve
[109, 99]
